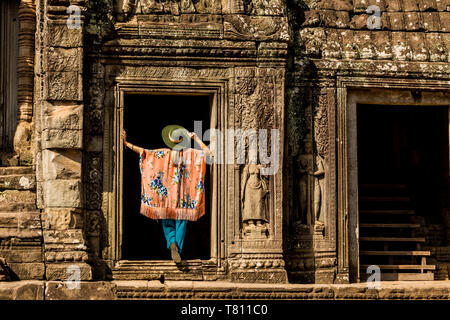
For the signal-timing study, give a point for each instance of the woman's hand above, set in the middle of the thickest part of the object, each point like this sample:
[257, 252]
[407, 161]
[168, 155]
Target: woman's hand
[123, 135]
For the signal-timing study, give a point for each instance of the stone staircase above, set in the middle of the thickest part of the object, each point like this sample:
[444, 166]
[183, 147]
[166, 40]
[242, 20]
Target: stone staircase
[388, 234]
[20, 224]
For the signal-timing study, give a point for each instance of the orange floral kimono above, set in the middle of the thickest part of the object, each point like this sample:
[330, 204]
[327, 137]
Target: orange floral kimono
[172, 184]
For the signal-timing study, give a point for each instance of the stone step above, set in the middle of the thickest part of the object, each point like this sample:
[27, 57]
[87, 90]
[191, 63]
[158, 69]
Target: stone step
[6, 171]
[18, 182]
[8, 233]
[387, 212]
[402, 267]
[21, 220]
[393, 239]
[28, 271]
[384, 199]
[394, 253]
[8, 197]
[383, 186]
[403, 276]
[389, 225]
[27, 254]
[18, 207]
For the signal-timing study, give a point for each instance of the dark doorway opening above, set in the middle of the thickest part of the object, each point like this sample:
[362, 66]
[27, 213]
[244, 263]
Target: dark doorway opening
[144, 118]
[403, 171]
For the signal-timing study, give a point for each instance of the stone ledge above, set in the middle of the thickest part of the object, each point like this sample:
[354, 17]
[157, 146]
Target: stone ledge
[22, 290]
[439, 290]
[140, 289]
[58, 290]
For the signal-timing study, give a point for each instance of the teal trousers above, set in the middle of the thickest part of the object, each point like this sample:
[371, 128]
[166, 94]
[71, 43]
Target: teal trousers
[174, 231]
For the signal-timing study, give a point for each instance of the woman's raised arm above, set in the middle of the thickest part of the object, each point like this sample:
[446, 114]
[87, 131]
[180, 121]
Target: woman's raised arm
[130, 145]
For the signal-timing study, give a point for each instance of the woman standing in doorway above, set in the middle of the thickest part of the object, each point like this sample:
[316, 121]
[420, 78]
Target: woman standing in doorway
[172, 184]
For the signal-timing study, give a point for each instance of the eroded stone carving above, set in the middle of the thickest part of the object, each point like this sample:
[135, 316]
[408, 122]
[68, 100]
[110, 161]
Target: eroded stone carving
[256, 27]
[255, 98]
[175, 7]
[253, 198]
[263, 7]
[306, 182]
[319, 175]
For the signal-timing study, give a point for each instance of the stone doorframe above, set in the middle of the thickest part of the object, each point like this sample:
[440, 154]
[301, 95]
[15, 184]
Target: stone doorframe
[113, 154]
[350, 92]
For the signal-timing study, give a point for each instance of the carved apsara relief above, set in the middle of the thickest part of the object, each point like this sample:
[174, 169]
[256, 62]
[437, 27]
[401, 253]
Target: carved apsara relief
[306, 181]
[320, 121]
[254, 192]
[255, 98]
[312, 167]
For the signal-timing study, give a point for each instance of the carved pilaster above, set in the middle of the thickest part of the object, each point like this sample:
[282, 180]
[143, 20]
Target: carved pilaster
[257, 253]
[27, 28]
[25, 73]
[61, 161]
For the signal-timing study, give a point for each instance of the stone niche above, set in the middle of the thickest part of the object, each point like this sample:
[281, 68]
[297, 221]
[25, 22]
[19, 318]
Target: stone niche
[236, 53]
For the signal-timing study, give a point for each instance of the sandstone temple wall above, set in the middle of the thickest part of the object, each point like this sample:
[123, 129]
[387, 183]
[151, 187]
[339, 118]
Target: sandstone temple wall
[287, 65]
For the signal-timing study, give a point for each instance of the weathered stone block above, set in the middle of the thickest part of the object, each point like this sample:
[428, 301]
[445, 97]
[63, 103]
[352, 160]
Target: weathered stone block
[259, 276]
[22, 254]
[18, 182]
[20, 220]
[63, 117]
[15, 233]
[66, 256]
[61, 165]
[412, 21]
[6, 171]
[17, 200]
[62, 193]
[396, 20]
[22, 290]
[62, 219]
[359, 21]
[431, 21]
[58, 35]
[445, 21]
[62, 139]
[63, 86]
[325, 276]
[28, 271]
[62, 59]
[86, 291]
[64, 271]
[64, 237]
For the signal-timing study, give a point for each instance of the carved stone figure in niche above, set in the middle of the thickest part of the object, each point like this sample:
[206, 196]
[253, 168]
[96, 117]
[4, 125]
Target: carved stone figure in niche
[319, 175]
[253, 197]
[306, 181]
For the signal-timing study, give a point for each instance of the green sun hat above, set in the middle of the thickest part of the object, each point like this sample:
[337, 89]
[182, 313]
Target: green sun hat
[176, 137]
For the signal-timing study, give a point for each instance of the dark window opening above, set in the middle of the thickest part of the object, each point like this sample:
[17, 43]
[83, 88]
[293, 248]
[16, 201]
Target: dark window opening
[403, 171]
[144, 118]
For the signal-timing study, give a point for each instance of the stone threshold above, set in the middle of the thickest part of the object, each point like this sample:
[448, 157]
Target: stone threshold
[141, 289]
